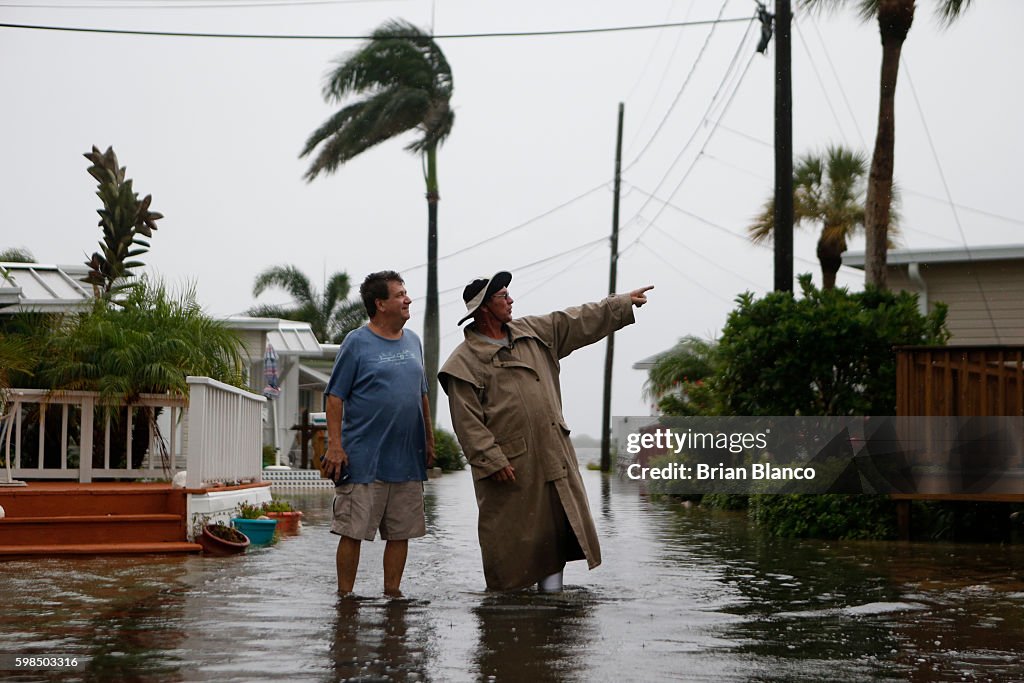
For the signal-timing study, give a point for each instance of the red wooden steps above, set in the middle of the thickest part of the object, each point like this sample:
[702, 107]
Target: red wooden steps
[70, 518]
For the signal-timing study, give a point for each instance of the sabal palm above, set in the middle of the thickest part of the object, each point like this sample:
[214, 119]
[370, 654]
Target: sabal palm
[894, 20]
[828, 189]
[406, 84]
[330, 315]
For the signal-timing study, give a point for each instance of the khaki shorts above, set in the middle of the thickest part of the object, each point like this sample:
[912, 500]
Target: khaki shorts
[395, 508]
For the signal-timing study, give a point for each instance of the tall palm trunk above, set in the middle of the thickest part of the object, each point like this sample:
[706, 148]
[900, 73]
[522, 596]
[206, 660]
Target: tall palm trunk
[894, 20]
[830, 256]
[431, 337]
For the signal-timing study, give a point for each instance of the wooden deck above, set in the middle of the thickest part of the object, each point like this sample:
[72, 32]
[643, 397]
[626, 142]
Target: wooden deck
[97, 518]
[958, 381]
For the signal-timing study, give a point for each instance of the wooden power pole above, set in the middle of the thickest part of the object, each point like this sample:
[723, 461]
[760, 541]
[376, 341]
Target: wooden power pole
[609, 355]
[783, 148]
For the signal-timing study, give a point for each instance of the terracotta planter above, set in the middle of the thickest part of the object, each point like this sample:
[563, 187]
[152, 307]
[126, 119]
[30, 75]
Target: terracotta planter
[215, 545]
[287, 522]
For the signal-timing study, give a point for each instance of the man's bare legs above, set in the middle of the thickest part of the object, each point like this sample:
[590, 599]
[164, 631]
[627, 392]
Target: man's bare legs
[395, 553]
[348, 562]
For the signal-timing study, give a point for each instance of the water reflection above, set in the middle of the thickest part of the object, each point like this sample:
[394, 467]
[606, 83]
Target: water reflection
[527, 636]
[683, 594]
[373, 640]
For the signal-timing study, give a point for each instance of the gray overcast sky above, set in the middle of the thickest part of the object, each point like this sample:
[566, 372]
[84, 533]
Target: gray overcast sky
[212, 129]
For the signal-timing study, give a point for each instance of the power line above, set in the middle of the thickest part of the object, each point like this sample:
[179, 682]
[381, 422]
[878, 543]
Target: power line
[514, 228]
[949, 195]
[447, 36]
[194, 5]
[682, 88]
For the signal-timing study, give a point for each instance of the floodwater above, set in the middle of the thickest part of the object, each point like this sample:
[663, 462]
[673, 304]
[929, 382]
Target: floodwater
[683, 594]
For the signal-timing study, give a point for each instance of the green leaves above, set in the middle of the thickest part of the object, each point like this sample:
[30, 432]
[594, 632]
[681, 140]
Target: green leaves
[404, 82]
[148, 344]
[123, 219]
[827, 353]
[329, 315]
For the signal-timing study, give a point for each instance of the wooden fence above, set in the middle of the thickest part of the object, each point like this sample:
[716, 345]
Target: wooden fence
[960, 380]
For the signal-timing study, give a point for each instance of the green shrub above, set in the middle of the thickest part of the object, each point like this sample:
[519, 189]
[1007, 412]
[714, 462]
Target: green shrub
[833, 515]
[277, 505]
[269, 455]
[447, 453]
[827, 353]
[725, 501]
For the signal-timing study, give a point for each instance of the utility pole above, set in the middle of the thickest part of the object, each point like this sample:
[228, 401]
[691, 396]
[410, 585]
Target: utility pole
[783, 148]
[606, 411]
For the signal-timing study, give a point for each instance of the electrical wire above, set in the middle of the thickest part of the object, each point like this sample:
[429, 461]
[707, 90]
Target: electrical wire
[447, 36]
[949, 195]
[514, 228]
[682, 88]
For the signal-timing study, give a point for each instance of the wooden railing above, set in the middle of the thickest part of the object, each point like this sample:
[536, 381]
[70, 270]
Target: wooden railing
[960, 380]
[215, 435]
[225, 433]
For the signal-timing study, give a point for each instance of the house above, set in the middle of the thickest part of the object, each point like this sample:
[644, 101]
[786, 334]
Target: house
[300, 379]
[982, 286]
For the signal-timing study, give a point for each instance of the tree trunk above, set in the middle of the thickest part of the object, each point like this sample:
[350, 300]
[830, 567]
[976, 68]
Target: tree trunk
[431, 325]
[830, 256]
[894, 20]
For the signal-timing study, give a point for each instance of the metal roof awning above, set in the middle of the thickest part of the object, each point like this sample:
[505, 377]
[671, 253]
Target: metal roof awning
[894, 257]
[288, 337]
[42, 287]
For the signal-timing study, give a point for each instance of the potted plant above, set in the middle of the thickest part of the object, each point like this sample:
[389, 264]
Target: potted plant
[251, 521]
[220, 539]
[287, 516]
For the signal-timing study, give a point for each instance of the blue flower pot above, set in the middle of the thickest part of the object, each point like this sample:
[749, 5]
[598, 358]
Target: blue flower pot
[259, 531]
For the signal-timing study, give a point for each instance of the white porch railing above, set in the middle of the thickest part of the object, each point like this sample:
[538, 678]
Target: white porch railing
[54, 435]
[225, 433]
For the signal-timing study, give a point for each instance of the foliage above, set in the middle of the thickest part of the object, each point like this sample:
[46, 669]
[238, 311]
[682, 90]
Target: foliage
[269, 454]
[447, 453]
[248, 511]
[277, 505]
[125, 221]
[405, 83]
[725, 501]
[17, 355]
[150, 344]
[17, 255]
[894, 18]
[329, 314]
[828, 190]
[828, 353]
[226, 533]
[682, 378]
[833, 515]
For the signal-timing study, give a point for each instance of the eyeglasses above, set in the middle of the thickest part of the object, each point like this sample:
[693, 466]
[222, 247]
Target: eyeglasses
[501, 295]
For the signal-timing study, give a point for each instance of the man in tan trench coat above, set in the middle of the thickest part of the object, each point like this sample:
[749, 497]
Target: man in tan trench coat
[506, 405]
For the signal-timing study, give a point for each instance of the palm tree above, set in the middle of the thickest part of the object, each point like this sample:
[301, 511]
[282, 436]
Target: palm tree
[681, 378]
[17, 255]
[894, 20]
[827, 189]
[407, 84]
[329, 315]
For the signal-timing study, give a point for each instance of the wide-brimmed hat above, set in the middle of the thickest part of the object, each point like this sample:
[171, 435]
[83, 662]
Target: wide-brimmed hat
[477, 291]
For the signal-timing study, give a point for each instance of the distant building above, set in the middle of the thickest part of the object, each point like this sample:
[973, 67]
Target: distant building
[983, 287]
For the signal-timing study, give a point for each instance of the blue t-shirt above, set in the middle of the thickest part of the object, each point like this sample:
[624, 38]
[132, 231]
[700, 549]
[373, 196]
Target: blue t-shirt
[382, 384]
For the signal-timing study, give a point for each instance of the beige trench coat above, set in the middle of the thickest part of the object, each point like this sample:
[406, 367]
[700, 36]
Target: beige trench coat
[506, 407]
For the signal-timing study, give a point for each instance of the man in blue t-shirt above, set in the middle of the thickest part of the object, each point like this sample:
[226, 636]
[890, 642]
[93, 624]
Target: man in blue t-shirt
[380, 437]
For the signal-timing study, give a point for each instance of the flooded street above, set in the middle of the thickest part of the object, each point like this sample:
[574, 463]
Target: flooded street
[683, 594]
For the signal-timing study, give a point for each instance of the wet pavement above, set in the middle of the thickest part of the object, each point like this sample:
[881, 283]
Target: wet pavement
[683, 594]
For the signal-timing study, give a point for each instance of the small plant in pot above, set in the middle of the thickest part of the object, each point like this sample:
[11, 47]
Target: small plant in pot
[251, 520]
[220, 539]
[286, 515]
